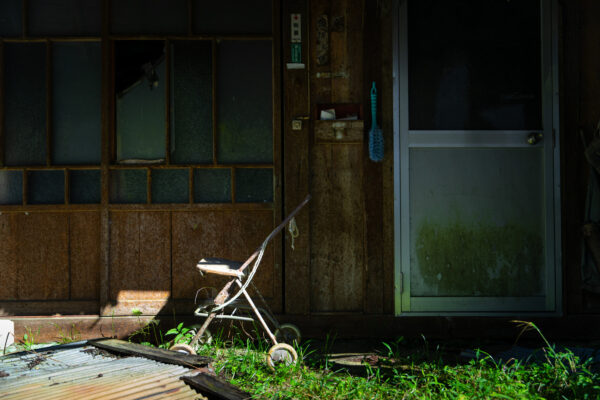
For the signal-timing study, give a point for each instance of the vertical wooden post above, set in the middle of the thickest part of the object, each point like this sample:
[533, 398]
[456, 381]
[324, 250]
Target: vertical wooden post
[296, 162]
[105, 158]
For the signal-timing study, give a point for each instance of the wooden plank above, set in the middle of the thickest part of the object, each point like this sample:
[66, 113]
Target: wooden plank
[354, 50]
[340, 82]
[140, 256]
[48, 307]
[9, 262]
[296, 169]
[248, 233]
[373, 177]
[387, 124]
[124, 251]
[215, 387]
[197, 235]
[320, 56]
[337, 251]
[84, 253]
[277, 244]
[231, 235]
[106, 139]
[152, 353]
[42, 240]
[339, 131]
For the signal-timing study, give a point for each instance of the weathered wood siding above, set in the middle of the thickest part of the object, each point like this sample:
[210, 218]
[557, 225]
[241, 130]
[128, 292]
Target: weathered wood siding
[114, 259]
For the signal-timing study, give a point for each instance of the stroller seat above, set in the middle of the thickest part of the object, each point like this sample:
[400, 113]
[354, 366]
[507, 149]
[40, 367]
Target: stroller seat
[220, 266]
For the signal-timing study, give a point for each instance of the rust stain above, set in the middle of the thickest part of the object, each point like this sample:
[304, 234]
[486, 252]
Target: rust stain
[140, 256]
[43, 256]
[227, 234]
[84, 246]
[8, 257]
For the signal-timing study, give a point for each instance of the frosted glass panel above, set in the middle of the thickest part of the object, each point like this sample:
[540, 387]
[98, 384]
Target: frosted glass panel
[477, 222]
[244, 102]
[232, 16]
[46, 187]
[76, 95]
[64, 17]
[149, 16]
[25, 103]
[170, 186]
[11, 18]
[253, 185]
[84, 187]
[128, 186]
[11, 187]
[191, 102]
[212, 185]
[140, 86]
[474, 64]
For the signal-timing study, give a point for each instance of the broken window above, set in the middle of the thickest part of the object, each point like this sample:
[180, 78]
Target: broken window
[190, 119]
[140, 98]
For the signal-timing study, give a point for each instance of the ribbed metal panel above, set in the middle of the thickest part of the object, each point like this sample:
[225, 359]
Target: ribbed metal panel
[87, 373]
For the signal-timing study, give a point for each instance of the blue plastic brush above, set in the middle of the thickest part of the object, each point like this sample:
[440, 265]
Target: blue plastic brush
[375, 134]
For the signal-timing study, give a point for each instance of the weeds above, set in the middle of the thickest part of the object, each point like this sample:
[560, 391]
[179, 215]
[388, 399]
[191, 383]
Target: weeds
[29, 340]
[68, 336]
[403, 372]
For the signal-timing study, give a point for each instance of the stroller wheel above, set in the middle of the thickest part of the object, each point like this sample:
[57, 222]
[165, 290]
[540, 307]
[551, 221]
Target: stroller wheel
[206, 337]
[288, 333]
[281, 353]
[183, 348]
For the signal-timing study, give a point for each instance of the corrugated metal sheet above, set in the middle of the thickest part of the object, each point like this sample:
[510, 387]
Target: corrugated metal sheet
[86, 372]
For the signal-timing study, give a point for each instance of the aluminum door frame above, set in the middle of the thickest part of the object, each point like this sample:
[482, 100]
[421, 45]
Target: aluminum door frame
[551, 303]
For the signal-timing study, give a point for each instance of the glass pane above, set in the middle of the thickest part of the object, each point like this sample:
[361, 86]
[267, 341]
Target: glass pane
[128, 186]
[76, 102]
[149, 16]
[84, 187]
[170, 186]
[477, 222]
[253, 185]
[11, 18]
[191, 102]
[232, 16]
[11, 187]
[244, 102]
[25, 103]
[212, 185]
[140, 88]
[46, 187]
[474, 64]
[64, 17]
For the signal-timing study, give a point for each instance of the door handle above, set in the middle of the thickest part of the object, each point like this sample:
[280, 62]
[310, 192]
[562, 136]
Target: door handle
[535, 138]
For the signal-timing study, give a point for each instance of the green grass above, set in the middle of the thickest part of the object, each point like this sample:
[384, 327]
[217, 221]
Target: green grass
[401, 371]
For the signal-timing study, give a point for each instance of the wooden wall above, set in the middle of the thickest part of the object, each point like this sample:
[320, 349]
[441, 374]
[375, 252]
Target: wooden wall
[50, 262]
[345, 263]
[81, 261]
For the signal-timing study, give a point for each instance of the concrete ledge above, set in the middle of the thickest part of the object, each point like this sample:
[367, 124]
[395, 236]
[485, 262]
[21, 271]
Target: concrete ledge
[343, 326]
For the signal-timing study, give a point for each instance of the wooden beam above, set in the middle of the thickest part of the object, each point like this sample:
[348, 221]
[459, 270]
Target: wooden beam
[215, 387]
[372, 178]
[296, 167]
[152, 353]
[107, 116]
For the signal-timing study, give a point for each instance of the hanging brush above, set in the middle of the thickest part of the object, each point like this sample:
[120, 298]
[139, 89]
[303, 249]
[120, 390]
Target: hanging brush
[375, 134]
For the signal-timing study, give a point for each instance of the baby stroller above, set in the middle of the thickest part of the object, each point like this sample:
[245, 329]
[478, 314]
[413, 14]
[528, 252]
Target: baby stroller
[225, 305]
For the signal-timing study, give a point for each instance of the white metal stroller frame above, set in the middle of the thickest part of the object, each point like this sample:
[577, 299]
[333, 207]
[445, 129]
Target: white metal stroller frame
[215, 308]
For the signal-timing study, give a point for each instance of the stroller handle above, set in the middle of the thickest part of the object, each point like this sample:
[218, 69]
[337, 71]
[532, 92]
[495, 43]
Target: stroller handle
[258, 254]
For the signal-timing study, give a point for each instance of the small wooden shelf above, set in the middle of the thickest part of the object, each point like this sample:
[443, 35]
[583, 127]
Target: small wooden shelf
[340, 130]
